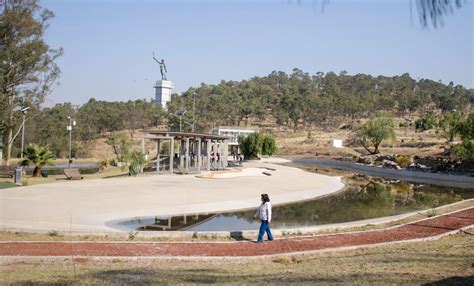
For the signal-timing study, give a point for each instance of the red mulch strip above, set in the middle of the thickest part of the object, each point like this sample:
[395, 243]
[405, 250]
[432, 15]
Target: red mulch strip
[423, 229]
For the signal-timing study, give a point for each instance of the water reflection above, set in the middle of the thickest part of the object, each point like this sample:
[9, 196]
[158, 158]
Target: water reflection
[357, 203]
[362, 200]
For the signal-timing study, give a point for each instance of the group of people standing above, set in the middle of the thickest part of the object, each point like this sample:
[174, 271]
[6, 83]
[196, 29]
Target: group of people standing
[237, 156]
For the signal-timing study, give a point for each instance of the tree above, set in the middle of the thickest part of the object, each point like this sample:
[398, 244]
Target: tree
[450, 125]
[269, 145]
[465, 150]
[257, 144]
[374, 131]
[120, 144]
[38, 156]
[27, 67]
[251, 145]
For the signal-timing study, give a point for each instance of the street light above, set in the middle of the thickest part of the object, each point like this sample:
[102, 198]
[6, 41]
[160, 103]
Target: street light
[194, 111]
[72, 122]
[23, 111]
[180, 113]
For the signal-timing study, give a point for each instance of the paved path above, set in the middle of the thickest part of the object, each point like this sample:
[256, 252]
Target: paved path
[411, 176]
[418, 230]
[88, 205]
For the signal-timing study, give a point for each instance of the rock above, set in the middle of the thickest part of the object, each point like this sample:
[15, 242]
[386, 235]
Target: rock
[390, 164]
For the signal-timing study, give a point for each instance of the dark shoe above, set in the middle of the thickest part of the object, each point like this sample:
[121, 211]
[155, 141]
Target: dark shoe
[259, 241]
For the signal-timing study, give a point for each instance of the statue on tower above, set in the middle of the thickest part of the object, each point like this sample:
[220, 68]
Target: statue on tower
[162, 67]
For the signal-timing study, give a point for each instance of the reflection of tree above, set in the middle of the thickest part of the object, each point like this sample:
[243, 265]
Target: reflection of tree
[371, 201]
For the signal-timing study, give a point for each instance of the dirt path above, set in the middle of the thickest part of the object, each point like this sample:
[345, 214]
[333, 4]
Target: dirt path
[418, 230]
[410, 176]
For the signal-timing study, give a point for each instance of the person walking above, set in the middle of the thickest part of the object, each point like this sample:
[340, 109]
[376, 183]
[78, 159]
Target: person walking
[264, 213]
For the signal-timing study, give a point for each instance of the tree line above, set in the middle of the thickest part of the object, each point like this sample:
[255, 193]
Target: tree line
[47, 126]
[297, 100]
[301, 100]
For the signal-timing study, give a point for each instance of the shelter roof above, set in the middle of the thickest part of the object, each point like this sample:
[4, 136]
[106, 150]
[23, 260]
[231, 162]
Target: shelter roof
[182, 135]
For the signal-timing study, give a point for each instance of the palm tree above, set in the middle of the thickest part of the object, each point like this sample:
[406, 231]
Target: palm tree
[38, 156]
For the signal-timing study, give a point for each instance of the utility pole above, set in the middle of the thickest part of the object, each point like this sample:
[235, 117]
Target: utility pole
[194, 111]
[69, 128]
[23, 111]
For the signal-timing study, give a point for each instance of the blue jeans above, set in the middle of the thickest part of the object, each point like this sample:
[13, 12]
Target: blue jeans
[264, 227]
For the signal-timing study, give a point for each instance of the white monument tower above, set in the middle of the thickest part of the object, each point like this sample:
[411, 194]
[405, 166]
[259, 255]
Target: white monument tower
[164, 86]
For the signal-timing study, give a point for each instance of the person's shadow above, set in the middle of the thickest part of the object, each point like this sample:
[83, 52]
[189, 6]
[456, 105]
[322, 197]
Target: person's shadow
[237, 235]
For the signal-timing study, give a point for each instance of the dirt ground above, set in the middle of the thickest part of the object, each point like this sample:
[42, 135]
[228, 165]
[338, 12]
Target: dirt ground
[407, 142]
[448, 261]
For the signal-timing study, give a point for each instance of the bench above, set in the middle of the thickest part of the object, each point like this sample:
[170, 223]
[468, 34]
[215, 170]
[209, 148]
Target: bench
[7, 171]
[73, 174]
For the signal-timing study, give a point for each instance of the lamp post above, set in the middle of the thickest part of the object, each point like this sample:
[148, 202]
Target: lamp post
[194, 111]
[72, 122]
[180, 113]
[23, 111]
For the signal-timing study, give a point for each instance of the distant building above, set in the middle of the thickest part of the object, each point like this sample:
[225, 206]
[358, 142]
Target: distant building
[232, 132]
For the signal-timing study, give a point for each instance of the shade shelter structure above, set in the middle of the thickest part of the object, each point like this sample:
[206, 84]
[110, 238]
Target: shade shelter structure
[192, 151]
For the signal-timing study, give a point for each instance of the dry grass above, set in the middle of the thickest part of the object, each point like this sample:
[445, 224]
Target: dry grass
[408, 143]
[447, 261]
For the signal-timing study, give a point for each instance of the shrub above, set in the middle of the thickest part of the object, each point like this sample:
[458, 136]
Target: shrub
[463, 151]
[251, 145]
[136, 160]
[38, 156]
[403, 161]
[257, 144]
[426, 122]
[269, 145]
[103, 163]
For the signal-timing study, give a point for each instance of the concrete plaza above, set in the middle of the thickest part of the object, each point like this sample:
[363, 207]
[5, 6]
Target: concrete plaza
[87, 205]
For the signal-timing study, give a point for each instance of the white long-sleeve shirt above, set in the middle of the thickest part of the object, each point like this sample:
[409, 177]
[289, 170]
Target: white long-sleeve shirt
[264, 212]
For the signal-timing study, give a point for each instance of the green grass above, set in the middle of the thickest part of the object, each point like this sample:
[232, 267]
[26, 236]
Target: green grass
[110, 172]
[447, 261]
[5, 185]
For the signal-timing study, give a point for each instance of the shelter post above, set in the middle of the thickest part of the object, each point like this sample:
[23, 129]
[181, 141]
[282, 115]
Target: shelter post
[158, 143]
[198, 155]
[171, 154]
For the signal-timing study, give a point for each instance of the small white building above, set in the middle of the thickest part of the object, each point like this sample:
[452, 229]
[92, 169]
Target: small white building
[337, 143]
[233, 133]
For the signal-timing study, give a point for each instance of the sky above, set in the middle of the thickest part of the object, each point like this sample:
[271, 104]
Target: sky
[108, 44]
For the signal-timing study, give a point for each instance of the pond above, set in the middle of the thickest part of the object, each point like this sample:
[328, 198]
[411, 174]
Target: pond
[360, 201]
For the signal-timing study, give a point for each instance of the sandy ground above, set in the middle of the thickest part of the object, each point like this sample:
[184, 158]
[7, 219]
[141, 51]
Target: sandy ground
[87, 205]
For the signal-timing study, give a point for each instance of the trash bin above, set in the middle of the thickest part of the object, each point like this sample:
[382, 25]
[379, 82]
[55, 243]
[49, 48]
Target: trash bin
[44, 174]
[18, 173]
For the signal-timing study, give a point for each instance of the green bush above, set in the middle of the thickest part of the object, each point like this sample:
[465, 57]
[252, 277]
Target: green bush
[269, 145]
[251, 145]
[426, 122]
[136, 160]
[463, 151]
[257, 144]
